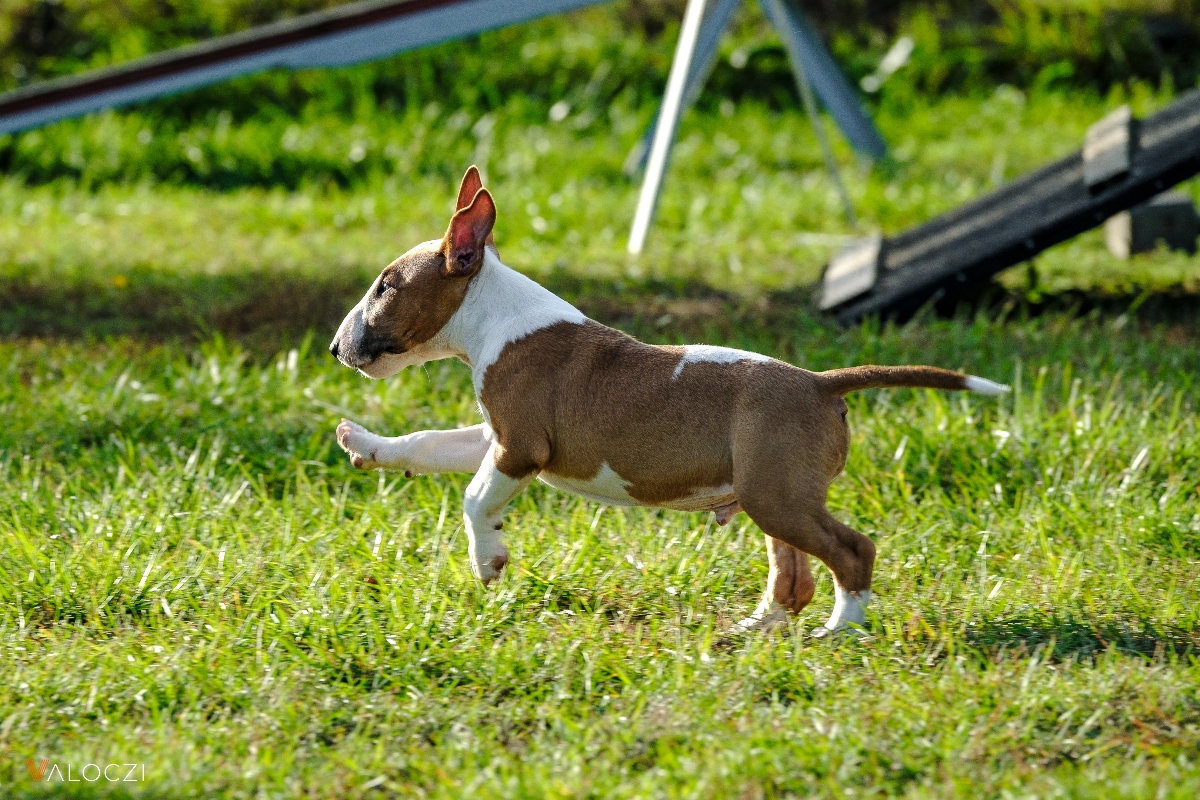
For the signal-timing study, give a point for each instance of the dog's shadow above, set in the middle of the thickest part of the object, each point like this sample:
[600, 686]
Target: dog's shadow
[1070, 638]
[1052, 639]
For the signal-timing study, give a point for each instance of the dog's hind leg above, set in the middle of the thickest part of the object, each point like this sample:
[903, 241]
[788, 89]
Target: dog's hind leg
[853, 593]
[419, 453]
[849, 555]
[790, 587]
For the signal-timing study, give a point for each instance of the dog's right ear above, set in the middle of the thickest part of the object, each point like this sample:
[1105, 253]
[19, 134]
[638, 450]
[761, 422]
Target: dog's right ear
[469, 232]
[472, 182]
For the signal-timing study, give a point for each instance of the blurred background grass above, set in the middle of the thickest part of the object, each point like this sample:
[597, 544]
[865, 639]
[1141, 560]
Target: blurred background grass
[198, 212]
[961, 45]
[605, 62]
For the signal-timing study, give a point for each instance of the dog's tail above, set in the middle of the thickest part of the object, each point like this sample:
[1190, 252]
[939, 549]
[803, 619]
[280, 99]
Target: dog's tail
[852, 379]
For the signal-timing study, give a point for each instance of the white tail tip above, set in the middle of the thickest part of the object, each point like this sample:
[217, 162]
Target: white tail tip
[984, 386]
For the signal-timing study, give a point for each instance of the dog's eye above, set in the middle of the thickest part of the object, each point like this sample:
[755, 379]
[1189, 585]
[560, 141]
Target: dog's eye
[384, 286]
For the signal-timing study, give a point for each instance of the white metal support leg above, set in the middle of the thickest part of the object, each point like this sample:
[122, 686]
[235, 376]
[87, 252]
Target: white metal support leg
[667, 121]
[814, 69]
[717, 16]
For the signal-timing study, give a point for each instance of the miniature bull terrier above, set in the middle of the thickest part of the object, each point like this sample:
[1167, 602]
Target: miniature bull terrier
[590, 410]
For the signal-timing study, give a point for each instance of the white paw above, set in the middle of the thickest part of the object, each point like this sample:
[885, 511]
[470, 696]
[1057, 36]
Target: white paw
[359, 443]
[849, 614]
[847, 629]
[487, 567]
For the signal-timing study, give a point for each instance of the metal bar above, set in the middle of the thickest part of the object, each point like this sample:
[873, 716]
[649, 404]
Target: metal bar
[716, 19]
[343, 35]
[792, 43]
[809, 55]
[959, 250]
[668, 120]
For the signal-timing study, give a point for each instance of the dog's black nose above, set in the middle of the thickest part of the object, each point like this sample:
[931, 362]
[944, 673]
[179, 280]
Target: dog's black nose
[333, 348]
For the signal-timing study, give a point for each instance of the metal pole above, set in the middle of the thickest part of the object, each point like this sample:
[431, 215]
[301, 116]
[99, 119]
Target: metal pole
[668, 119]
[806, 48]
[716, 19]
[780, 13]
[810, 106]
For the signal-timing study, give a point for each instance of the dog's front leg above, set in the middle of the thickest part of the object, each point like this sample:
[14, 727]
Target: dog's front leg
[419, 453]
[483, 511]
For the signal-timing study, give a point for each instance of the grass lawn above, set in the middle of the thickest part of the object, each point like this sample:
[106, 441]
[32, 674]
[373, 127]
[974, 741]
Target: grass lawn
[194, 580]
[747, 212]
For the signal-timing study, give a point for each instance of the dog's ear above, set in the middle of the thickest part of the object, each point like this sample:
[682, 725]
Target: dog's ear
[470, 186]
[472, 182]
[469, 232]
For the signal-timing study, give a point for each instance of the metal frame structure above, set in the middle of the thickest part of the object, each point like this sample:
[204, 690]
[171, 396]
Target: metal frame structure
[814, 70]
[372, 29]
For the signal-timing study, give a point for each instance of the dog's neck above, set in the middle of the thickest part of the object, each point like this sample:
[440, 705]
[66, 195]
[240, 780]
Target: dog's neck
[501, 306]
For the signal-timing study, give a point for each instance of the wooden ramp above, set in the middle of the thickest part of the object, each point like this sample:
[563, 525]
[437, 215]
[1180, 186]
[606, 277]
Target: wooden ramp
[1124, 162]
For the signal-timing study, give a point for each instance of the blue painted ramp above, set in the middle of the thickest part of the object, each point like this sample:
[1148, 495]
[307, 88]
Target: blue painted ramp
[344, 35]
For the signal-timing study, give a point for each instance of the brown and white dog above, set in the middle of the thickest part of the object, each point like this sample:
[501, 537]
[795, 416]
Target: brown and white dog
[591, 410]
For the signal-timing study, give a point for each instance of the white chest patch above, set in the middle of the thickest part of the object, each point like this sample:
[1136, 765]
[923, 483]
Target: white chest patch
[606, 487]
[697, 353]
[501, 307]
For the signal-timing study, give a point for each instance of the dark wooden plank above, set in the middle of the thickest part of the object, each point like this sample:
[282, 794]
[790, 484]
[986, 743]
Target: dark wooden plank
[954, 253]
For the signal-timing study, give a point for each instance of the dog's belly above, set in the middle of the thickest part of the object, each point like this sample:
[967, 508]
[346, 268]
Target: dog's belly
[606, 487]
[609, 487]
[705, 498]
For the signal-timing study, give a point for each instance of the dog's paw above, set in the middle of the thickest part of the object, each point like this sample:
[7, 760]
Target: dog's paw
[766, 620]
[846, 631]
[489, 570]
[849, 616]
[774, 618]
[359, 443]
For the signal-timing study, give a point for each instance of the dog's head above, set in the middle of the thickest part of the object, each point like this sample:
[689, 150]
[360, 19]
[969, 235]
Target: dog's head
[395, 324]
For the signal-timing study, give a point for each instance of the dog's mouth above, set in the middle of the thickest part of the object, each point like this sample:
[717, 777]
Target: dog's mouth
[382, 363]
[361, 360]
[378, 354]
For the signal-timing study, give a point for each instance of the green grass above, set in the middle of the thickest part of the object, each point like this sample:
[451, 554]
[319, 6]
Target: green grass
[743, 197]
[193, 578]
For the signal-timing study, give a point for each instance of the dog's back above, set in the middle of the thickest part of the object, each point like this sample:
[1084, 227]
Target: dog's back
[600, 413]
